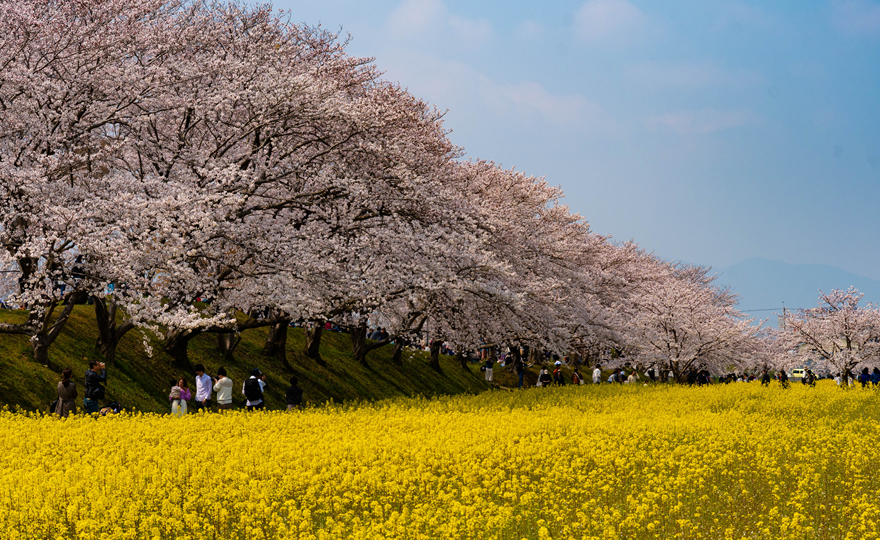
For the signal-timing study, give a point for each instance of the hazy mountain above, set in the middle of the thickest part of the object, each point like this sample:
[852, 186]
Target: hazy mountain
[765, 284]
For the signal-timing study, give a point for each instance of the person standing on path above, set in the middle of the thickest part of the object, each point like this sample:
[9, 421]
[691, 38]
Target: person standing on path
[252, 389]
[597, 375]
[66, 394]
[203, 390]
[489, 366]
[94, 392]
[223, 388]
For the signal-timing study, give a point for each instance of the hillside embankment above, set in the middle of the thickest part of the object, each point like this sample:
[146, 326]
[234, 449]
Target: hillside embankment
[141, 381]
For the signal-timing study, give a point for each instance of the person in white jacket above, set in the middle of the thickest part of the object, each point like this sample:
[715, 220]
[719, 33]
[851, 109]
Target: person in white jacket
[223, 387]
[597, 374]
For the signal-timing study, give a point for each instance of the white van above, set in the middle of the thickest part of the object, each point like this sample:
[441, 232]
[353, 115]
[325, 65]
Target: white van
[798, 373]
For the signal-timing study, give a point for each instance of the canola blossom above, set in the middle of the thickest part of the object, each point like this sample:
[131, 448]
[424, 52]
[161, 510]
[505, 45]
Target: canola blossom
[728, 462]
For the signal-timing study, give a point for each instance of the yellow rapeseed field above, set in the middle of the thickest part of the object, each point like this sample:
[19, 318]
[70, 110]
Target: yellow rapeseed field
[728, 462]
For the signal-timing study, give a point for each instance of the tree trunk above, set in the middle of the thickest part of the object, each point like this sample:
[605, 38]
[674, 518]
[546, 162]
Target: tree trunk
[109, 335]
[47, 335]
[313, 341]
[358, 334]
[397, 356]
[535, 357]
[276, 343]
[176, 345]
[462, 359]
[226, 343]
[435, 355]
[40, 346]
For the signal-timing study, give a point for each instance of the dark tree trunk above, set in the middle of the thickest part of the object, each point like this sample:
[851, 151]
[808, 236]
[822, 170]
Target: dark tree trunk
[40, 346]
[535, 357]
[397, 356]
[46, 335]
[109, 335]
[226, 343]
[435, 355]
[462, 359]
[176, 345]
[313, 341]
[358, 334]
[276, 343]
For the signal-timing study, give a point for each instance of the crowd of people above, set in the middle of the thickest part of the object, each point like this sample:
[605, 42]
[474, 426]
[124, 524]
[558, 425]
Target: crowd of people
[218, 389]
[208, 391]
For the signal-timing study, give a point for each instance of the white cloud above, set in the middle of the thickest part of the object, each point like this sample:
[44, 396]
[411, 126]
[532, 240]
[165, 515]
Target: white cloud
[657, 75]
[530, 97]
[414, 17]
[608, 20]
[856, 17]
[706, 121]
[419, 18]
[462, 88]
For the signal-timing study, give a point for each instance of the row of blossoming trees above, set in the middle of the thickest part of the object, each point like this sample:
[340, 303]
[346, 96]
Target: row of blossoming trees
[153, 152]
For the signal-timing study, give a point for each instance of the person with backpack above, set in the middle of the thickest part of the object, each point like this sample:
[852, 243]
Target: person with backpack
[94, 392]
[294, 395]
[66, 394]
[223, 388]
[253, 390]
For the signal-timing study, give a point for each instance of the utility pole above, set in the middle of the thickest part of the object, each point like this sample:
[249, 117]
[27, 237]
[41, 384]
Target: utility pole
[783, 316]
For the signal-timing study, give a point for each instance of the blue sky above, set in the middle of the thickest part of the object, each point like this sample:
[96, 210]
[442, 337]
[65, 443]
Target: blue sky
[709, 132]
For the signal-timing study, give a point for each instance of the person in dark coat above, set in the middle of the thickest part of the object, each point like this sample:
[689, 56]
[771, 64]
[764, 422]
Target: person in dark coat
[783, 378]
[294, 395]
[95, 375]
[66, 394]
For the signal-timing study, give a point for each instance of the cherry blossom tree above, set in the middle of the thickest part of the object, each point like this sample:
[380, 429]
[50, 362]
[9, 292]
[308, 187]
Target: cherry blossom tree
[682, 321]
[843, 334]
[68, 72]
[159, 152]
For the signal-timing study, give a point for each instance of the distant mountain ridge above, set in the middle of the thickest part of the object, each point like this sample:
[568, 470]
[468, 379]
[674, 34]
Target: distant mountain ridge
[764, 284]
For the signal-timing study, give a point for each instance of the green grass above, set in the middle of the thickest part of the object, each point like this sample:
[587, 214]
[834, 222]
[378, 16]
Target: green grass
[142, 383]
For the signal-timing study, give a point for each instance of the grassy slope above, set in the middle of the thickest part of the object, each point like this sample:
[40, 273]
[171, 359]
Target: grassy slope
[142, 383]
